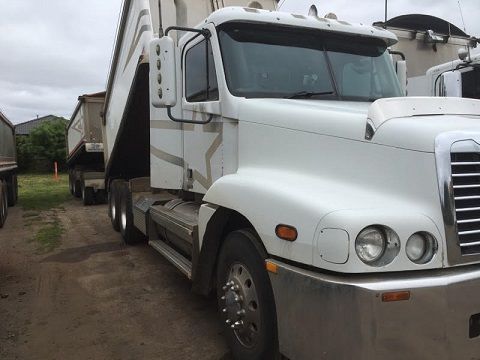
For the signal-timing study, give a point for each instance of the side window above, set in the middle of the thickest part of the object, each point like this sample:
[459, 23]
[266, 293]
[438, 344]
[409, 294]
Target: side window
[200, 76]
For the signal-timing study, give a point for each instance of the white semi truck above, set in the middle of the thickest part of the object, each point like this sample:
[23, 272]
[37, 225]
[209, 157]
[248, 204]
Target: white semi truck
[85, 159]
[272, 158]
[8, 168]
[458, 78]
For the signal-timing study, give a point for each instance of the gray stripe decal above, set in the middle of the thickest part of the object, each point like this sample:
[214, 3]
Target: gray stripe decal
[134, 44]
[213, 127]
[206, 182]
[164, 125]
[162, 155]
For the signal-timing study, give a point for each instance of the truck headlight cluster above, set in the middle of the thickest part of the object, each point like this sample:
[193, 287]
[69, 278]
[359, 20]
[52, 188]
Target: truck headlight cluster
[377, 245]
[421, 247]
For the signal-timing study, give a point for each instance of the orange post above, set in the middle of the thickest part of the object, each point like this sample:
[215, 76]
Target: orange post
[56, 170]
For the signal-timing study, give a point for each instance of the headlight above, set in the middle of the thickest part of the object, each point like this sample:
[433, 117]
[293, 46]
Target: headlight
[377, 245]
[370, 244]
[421, 247]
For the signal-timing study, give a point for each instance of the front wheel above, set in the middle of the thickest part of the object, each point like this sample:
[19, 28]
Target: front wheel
[245, 299]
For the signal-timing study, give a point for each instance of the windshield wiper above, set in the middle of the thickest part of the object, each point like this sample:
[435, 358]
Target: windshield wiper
[307, 94]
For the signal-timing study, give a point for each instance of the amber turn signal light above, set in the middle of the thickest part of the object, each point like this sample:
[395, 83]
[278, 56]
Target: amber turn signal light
[286, 232]
[271, 267]
[396, 296]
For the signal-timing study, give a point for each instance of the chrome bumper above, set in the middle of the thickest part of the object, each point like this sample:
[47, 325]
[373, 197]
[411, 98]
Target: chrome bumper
[323, 316]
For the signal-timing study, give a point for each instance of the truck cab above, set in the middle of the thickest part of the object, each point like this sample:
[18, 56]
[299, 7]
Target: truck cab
[290, 176]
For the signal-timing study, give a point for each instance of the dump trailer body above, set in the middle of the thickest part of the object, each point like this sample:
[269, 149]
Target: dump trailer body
[85, 158]
[8, 168]
[127, 143]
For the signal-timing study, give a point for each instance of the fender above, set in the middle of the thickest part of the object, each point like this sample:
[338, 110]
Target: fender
[269, 197]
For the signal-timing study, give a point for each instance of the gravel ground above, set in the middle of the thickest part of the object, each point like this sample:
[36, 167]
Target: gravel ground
[88, 296]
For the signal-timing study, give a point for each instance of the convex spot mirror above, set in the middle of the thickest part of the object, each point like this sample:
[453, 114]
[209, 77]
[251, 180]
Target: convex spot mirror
[163, 83]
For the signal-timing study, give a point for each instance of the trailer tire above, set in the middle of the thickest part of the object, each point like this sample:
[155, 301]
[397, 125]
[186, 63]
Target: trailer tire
[12, 190]
[100, 197]
[241, 274]
[130, 234]
[77, 188]
[3, 203]
[114, 204]
[70, 184]
[88, 195]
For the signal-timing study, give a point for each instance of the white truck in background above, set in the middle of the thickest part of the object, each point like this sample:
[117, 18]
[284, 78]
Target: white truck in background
[272, 158]
[85, 159]
[8, 168]
[431, 47]
[458, 78]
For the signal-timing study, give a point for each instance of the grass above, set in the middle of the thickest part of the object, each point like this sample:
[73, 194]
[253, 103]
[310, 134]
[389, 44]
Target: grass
[42, 192]
[39, 194]
[48, 236]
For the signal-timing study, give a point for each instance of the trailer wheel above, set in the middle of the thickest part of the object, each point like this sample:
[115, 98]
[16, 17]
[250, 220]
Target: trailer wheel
[100, 197]
[70, 184]
[114, 204]
[131, 235]
[3, 204]
[88, 195]
[77, 189]
[245, 299]
[12, 190]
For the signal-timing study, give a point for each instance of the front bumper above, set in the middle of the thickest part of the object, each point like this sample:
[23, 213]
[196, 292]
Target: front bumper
[324, 316]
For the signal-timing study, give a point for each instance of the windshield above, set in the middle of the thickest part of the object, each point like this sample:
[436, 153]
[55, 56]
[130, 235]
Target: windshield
[265, 61]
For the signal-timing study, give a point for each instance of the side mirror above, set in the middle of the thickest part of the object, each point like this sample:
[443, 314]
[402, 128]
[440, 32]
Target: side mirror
[402, 75]
[163, 80]
[451, 84]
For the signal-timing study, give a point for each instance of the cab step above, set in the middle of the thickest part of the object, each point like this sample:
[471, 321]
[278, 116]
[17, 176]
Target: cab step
[177, 259]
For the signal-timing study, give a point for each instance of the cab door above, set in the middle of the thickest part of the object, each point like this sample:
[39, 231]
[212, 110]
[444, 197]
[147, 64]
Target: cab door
[202, 143]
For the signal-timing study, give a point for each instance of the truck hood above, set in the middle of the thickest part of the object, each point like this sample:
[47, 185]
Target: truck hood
[409, 123]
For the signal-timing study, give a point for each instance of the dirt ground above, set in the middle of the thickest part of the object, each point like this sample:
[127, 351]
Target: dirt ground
[91, 297]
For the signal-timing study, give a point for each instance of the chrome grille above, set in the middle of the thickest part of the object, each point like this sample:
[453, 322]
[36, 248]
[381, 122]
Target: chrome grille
[466, 192]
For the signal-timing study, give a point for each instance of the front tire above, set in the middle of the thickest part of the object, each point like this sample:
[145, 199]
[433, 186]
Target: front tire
[245, 299]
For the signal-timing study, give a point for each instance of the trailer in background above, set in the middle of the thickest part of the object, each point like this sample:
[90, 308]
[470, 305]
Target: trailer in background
[8, 168]
[425, 42]
[85, 161]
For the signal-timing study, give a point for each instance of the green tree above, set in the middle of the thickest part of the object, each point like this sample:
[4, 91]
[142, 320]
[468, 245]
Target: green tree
[48, 141]
[45, 145]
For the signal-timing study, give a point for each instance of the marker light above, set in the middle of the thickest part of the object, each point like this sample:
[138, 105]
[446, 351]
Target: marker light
[286, 232]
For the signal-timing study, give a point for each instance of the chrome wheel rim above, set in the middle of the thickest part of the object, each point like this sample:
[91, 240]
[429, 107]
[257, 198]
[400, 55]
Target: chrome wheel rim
[240, 305]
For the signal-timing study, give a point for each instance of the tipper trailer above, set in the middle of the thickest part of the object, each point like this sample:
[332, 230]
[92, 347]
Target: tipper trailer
[8, 168]
[272, 158]
[85, 158]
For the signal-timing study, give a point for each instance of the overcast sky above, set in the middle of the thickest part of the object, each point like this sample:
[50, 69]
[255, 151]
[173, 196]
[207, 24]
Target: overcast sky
[52, 51]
